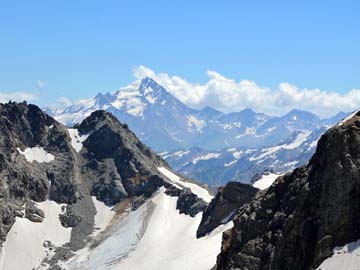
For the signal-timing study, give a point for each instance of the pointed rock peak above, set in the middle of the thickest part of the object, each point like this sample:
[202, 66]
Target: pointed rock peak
[98, 119]
[148, 85]
[208, 109]
[248, 111]
[104, 99]
[209, 112]
[299, 114]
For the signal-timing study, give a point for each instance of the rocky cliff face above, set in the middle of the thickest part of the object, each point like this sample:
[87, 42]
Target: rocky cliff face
[41, 159]
[297, 222]
[25, 126]
[224, 206]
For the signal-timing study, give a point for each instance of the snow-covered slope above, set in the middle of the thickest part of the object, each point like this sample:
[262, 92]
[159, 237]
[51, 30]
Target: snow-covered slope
[345, 258]
[153, 237]
[94, 197]
[28, 243]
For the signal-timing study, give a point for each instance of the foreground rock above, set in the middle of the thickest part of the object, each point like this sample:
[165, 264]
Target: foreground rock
[42, 162]
[224, 206]
[297, 222]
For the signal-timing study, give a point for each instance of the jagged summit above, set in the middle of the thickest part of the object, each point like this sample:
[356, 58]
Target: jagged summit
[164, 123]
[305, 214]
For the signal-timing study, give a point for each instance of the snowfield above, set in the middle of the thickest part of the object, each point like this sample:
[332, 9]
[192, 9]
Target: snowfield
[154, 237]
[265, 181]
[103, 217]
[176, 181]
[77, 139]
[24, 246]
[36, 153]
[344, 258]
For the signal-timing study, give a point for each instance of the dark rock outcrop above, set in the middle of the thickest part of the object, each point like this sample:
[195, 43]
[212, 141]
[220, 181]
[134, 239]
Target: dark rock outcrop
[116, 162]
[189, 204]
[223, 207]
[33, 213]
[296, 223]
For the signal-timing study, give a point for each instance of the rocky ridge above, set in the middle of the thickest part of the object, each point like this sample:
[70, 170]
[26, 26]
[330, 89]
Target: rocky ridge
[41, 159]
[224, 206]
[297, 222]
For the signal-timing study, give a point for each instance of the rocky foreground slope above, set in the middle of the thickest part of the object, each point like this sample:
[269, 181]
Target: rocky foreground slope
[304, 215]
[92, 197]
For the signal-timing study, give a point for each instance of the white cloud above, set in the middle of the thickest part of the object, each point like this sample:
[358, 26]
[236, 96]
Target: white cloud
[64, 102]
[40, 84]
[17, 96]
[228, 95]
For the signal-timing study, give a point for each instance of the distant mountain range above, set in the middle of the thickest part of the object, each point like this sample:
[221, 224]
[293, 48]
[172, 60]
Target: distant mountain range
[206, 144]
[164, 123]
[241, 164]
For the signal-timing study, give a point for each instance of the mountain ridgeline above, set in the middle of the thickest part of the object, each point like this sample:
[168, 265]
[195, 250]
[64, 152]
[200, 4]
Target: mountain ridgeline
[208, 145]
[164, 123]
[57, 183]
[305, 214]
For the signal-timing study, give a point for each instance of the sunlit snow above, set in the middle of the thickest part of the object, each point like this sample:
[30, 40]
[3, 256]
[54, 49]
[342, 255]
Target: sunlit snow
[24, 245]
[196, 189]
[154, 237]
[299, 140]
[103, 217]
[36, 153]
[342, 122]
[194, 122]
[265, 181]
[206, 157]
[77, 139]
[344, 258]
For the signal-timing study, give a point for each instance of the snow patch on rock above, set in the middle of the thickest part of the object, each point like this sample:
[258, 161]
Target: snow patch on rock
[194, 122]
[265, 181]
[36, 153]
[206, 157]
[77, 139]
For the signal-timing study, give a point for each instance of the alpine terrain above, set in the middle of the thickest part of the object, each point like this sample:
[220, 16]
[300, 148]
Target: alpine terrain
[309, 218]
[94, 197]
[208, 145]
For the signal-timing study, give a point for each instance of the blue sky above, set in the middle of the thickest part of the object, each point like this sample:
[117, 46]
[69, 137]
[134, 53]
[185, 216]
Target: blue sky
[78, 48]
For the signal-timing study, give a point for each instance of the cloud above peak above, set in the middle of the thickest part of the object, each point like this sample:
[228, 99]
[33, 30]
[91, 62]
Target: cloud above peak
[17, 96]
[229, 95]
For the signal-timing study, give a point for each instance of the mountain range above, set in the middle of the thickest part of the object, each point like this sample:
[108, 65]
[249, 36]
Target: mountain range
[164, 123]
[93, 196]
[208, 145]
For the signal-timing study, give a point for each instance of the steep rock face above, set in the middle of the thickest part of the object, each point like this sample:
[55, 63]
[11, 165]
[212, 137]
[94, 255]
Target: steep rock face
[116, 162]
[223, 207]
[23, 127]
[297, 222]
